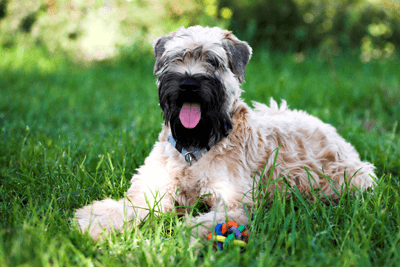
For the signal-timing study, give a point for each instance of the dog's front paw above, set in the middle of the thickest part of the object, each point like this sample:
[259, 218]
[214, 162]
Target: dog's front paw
[103, 216]
[199, 229]
[89, 222]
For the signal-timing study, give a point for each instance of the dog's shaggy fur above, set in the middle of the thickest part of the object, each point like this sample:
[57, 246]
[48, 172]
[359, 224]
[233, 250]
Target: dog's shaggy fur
[204, 67]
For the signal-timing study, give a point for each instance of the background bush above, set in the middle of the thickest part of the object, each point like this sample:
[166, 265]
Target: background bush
[298, 25]
[94, 30]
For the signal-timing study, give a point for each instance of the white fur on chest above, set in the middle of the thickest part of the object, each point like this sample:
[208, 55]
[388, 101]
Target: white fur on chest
[207, 177]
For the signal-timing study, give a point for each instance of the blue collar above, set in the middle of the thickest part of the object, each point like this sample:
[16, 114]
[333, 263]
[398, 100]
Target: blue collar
[190, 156]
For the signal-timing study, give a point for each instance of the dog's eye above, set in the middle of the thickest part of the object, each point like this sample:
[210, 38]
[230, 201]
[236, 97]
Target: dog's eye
[213, 63]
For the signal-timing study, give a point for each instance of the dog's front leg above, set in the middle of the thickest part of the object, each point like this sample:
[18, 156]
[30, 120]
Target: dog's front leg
[204, 223]
[151, 185]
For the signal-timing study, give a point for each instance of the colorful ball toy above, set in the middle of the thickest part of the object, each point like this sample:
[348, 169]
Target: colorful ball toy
[229, 232]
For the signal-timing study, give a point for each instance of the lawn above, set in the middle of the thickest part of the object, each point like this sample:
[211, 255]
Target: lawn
[71, 134]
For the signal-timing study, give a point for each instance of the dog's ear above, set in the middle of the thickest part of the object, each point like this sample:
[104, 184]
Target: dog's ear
[239, 54]
[159, 48]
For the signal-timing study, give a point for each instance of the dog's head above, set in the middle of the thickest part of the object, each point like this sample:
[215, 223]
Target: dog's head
[200, 70]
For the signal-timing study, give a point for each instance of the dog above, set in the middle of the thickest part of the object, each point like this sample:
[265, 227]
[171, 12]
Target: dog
[212, 143]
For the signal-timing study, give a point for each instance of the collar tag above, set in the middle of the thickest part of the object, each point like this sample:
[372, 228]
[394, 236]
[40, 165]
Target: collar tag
[189, 157]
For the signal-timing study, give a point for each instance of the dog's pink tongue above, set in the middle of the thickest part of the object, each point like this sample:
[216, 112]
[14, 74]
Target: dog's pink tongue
[190, 115]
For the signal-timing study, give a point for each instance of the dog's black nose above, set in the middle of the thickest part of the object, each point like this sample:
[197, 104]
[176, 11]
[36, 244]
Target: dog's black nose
[189, 85]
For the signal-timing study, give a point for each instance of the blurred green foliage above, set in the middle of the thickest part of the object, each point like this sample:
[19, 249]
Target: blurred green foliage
[96, 30]
[330, 26]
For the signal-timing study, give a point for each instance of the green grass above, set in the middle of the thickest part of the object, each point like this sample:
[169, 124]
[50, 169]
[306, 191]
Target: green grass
[71, 135]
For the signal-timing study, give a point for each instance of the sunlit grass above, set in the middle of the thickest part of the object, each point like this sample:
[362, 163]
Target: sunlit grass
[72, 134]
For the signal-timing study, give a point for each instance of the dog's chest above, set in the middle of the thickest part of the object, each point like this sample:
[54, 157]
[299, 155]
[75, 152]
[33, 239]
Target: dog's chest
[186, 196]
[191, 184]
[187, 188]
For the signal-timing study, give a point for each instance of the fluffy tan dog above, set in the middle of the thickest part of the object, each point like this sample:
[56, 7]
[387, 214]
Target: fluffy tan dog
[213, 143]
